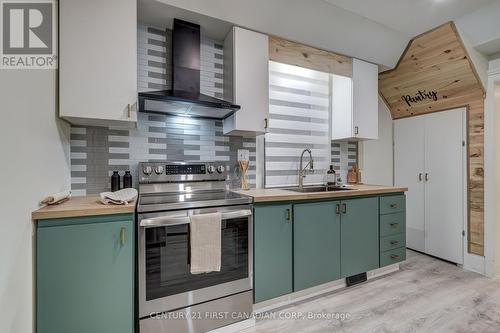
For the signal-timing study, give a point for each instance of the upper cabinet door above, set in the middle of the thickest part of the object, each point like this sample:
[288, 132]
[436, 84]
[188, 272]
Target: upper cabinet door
[342, 127]
[246, 81]
[365, 101]
[355, 103]
[98, 62]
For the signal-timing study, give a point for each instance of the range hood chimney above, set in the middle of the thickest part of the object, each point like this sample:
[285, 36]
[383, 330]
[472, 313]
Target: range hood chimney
[185, 98]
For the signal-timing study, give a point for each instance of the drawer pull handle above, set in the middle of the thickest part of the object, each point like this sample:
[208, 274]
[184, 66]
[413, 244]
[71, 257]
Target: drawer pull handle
[394, 257]
[337, 209]
[393, 206]
[288, 215]
[394, 242]
[394, 225]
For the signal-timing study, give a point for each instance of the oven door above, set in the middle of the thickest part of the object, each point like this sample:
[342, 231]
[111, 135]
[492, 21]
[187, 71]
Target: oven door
[165, 281]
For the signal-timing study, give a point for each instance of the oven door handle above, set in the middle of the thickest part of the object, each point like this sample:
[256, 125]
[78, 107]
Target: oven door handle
[169, 221]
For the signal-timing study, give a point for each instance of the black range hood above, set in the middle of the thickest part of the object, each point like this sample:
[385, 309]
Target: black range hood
[185, 98]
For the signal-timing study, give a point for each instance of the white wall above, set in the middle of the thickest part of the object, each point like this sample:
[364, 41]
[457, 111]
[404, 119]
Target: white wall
[491, 171]
[34, 146]
[483, 27]
[376, 156]
[478, 59]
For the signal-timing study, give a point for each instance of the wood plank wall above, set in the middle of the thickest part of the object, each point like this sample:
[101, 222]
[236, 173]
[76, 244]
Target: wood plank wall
[435, 73]
[291, 53]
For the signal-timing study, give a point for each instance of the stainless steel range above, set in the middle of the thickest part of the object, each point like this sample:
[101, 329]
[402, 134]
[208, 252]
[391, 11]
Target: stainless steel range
[171, 299]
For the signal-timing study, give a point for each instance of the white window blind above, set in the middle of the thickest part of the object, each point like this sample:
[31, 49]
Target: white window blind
[299, 118]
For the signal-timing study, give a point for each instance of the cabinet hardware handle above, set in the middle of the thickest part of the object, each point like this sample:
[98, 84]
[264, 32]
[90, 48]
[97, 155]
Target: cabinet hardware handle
[394, 257]
[131, 108]
[288, 214]
[426, 177]
[356, 130]
[122, 236]
[394, 225]
[344, 208]
[266, 123]
[393, 206]
[394, 242]
[420, 177]
[337, 209]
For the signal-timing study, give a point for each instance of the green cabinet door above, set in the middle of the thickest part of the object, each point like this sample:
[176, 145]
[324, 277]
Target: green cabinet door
[85, 275]
[359, 236]
[316, 244]
[272, 251]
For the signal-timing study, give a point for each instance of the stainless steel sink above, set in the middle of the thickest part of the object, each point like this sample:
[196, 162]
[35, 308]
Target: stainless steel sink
[312, 189]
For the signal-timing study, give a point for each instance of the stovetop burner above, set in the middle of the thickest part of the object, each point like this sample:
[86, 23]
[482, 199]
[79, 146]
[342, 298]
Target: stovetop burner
[174, 201]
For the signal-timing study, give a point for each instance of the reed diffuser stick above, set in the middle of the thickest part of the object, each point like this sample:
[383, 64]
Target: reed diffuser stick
[243, 174]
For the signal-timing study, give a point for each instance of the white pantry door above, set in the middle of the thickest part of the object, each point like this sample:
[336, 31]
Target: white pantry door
[409, 172]
[444, 185]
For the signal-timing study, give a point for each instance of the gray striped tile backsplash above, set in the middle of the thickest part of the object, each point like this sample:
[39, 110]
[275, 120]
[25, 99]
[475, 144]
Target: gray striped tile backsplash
[97, 151]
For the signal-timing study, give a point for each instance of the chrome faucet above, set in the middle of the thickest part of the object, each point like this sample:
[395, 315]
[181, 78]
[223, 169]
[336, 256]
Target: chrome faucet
[302, 170]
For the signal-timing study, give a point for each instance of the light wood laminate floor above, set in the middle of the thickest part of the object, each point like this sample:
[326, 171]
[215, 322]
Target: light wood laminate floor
[426, 295]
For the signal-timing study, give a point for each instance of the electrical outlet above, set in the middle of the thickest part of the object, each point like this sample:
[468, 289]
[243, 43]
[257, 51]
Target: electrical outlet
[243, 155]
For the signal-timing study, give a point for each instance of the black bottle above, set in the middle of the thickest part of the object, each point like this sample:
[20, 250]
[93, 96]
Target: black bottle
[127, 180]
[115, 181]
[331, 176]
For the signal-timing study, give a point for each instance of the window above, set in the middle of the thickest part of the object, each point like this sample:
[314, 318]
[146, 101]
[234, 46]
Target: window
[299, 118]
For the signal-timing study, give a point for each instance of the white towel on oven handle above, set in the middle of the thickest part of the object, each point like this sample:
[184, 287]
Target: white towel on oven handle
[205, 243]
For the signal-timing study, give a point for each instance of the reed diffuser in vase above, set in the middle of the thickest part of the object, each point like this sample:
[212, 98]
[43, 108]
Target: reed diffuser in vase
[243, 163]
[245, 185]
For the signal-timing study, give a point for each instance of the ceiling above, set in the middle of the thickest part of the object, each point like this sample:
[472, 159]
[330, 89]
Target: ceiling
[379, 30]
[161, 15]
[411, 17]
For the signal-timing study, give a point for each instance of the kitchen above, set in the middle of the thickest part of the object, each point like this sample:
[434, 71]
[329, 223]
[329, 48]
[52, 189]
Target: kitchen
[273, 130]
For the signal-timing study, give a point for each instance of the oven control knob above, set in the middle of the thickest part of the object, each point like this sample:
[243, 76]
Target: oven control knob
[211, 169]
[147, 170]
[159, 169]
[220, 169]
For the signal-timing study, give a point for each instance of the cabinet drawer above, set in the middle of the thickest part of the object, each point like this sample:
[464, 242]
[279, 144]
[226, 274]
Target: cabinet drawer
[392, 256]
[392, 204]
[392, 224]
[392, 242]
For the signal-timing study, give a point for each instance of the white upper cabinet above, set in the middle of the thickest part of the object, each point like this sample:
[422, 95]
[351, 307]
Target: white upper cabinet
[246, 81]
[355, 103]
[98, 62]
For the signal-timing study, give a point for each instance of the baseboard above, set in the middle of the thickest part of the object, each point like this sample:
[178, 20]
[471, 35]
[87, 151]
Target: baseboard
[302, 295]
[474, 263]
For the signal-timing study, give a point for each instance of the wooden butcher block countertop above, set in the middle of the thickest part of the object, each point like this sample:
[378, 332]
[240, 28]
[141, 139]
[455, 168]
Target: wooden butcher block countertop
[275, 194]
[81, 206]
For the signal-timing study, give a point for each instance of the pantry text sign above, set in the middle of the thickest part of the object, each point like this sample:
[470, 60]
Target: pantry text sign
[420, 96]
[28, 35]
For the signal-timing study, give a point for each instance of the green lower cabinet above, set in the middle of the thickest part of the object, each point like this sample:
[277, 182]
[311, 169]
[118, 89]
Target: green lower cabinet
[316, 241]
[392, 229]
[273, 239]
[359, 236]
[85, 275]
